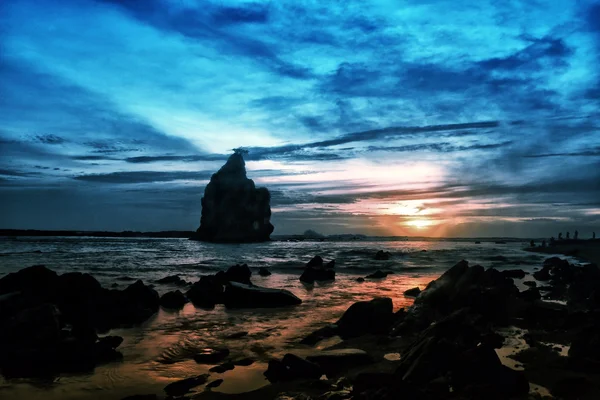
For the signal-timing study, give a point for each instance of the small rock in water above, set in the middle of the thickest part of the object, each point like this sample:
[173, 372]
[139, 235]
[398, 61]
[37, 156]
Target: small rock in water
[239, 273]
[363, 317]
[211, 356]
[182, 387]
[262, 271]
[514, 273]
[382, 255]
[379, 274]
[414, 292]
[237, 335]
[214, 384]
[243, 362]
[315, 262]
[219, 369]
[172, 279]
[320, 334]
[360, 279]
[292, 367]
[174, 300]
[530, 283]
[238, 295]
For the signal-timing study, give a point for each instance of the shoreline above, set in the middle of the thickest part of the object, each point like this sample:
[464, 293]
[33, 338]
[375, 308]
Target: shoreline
[524, 310]
[588, 250]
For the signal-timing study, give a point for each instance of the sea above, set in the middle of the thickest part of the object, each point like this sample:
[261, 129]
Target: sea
[160, 350]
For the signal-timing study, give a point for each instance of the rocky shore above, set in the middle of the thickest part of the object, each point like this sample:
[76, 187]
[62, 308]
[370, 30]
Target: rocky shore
[473, 333]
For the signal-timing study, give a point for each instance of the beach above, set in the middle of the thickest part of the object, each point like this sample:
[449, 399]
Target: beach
[160, 350]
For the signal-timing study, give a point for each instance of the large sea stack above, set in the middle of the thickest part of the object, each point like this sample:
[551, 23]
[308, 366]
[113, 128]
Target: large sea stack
[233, 209]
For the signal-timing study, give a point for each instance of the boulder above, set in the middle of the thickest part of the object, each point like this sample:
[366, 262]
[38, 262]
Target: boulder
[292, 367]
[586, 345]
[174, 300]
[214, 384]
[243, 362]
[182, 387]
[238, 273]
[219, 369]
[172, 280]
[315, 262]
[531, 294]
[514, 273]
[363, 317]
[310, 275]
[233, 209]
[262, 271]
[239, 295]
[378, 274]
[36, 280]
[335, 361]
[207, 292]
[382, 255]
[360, 279]
[414, 292]
[211, 356]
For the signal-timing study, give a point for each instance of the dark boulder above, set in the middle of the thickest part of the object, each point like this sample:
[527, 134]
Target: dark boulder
[219, 369]
[238, 273]
[335, 361]
[207, 292]
[237, 335]
[360, 279]
[514, 273]
[173, 280]
[262, 271]
[363, 317]
[180, 388]
[310, 275]
[320, 334]
[531, 294]
[138, 303]
[238, 295]
[315, 262]
[414, 292]
[586, 345]
[378, 274]
[543, 274]
[174, 300]
[292, 367]
[36, 280]
[382, 255]
[214, 384]
[211, 356]
[243, 362]
[233, 209]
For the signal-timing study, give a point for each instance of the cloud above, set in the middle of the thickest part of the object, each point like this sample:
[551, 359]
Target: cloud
[50, 139]
[129, 177]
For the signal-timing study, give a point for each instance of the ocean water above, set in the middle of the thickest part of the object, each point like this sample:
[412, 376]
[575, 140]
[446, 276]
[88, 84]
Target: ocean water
[160, 350]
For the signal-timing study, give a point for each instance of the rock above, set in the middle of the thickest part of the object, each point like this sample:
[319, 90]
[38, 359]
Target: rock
[141, 397]
[498, 258]
[262, 271]
[292, 367]
[207, 292]
[182, 387]
[111, 341]
[586, 345]
[330, 265]
[310, 275]
[243, 362]
[233, 209]
[239, 273]
[531, 294]
[315, 262]
[211, 356]
[238, 295]
[514, 273]
[237, 335]
[320, 334]
[530, 283]
[175, 300]
[414, 292]
[543, 274]
[172, 279]
[378, 274]
[363, 317]
[556, 262]
[35, 280]
[360, 279]
[214, 383]
[382, 255]
[334, 361]
[219, 369]
[138, 303]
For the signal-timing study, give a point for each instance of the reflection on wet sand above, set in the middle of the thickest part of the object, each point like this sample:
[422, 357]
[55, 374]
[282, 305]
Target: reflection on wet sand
[160, 351]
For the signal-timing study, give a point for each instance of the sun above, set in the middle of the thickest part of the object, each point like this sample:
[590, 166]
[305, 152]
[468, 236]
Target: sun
[419, 223]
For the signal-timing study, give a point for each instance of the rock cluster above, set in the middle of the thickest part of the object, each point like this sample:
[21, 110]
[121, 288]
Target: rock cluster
[317, 270]
[233, 209]
[48, 322]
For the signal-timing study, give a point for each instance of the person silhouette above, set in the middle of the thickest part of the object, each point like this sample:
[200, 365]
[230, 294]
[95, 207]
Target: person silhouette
[560, 236]
[552, 241]
[575, 235]
[532, 244]
[568, 235]
[593, 235]
[544, 242]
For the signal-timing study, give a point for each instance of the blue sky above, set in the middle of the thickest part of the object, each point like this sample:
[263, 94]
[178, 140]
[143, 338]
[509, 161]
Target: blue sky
[411, 117]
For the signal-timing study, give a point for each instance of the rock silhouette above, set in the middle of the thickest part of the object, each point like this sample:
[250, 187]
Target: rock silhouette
[233, 209]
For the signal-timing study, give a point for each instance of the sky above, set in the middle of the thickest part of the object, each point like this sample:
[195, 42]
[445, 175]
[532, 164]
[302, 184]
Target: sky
[391, 117]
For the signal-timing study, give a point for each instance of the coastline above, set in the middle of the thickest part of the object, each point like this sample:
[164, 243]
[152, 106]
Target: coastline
[588, 250]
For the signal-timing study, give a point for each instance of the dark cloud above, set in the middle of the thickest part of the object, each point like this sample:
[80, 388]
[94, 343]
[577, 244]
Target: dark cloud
[444, 147]
[50, 139]
[188, 158]
[249, 13]
[126, 177]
